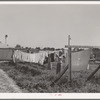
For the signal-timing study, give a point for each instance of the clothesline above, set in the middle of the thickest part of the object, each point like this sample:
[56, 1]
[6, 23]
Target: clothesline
[79, 59]
[27, 57]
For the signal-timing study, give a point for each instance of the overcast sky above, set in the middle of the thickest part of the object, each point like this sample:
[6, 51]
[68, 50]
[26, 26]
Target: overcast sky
[49, 25]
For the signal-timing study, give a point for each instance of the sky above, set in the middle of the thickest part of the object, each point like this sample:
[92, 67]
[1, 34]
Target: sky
[49, 25]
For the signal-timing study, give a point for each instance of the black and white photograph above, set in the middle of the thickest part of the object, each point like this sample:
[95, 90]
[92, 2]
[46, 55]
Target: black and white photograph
[49, 48]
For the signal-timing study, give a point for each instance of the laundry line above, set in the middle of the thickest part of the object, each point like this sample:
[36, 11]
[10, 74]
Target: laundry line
[12, 54]
[40, 57]
[80, 59]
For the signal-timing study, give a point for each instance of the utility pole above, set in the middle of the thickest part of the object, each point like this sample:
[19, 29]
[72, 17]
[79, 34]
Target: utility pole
[69, 58]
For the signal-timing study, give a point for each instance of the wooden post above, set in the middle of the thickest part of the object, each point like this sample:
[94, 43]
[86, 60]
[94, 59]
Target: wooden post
[13, 56]
[49, 62]
[69, 63]
[93, 73]
[69, 58]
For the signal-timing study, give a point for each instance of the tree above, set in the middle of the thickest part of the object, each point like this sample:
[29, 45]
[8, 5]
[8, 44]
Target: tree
[38, 48]
[52, 49]
[18, 46]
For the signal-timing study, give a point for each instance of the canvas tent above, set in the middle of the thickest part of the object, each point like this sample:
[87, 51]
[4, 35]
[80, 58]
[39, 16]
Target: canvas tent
[79, 60]
[6, 53]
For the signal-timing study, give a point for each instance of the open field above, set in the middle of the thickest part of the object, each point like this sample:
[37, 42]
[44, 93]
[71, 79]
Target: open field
[36, 79]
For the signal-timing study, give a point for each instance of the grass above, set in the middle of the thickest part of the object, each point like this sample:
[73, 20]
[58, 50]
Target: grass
[7, 85]
[34, 78]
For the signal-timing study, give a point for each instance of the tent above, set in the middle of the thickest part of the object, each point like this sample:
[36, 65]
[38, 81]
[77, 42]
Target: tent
[79, 60]
[6, 52]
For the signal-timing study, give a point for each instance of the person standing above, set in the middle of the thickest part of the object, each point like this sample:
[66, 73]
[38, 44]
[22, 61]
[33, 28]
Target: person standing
[49, 62]
[59, 62]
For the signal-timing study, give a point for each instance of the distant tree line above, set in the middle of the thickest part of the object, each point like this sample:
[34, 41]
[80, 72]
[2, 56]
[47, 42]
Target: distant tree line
[37, 49]
[96, 53]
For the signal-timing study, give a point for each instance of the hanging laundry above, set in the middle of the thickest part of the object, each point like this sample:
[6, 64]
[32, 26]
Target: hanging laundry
[42, 57]
[27, 57]
[17, 56]
[32, 57]
[37, 57]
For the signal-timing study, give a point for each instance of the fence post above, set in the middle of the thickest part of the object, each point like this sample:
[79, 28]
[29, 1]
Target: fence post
[49, 62]
[13, 56]
[69, 63]
[69, 58]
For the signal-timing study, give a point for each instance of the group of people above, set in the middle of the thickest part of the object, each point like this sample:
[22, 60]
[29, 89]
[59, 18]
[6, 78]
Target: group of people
[61, 60]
